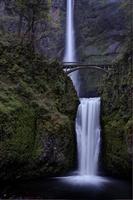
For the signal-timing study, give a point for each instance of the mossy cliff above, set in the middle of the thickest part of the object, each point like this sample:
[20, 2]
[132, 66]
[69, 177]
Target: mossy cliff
[49, 32]
[37, 111]
[117, 120]
[104, 28]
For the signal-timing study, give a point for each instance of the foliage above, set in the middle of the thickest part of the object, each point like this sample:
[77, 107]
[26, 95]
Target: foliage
[117, 117]
[37, 8]
[29, 14]
[37, 108]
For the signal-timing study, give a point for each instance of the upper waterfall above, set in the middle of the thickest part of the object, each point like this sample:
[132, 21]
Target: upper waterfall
[70, 55]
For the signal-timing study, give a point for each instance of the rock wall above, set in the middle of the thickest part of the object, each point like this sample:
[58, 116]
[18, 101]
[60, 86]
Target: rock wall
[37, 115]
[49, 35]
[105, 27]
[116, 94]
[53, 41]
[102, 24]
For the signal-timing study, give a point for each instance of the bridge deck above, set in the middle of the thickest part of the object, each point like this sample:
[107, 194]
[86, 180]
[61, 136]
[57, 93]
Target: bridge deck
[73, 66]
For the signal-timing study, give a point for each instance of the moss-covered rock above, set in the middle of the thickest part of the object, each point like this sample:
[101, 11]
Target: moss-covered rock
[37, 111]
[117, 118]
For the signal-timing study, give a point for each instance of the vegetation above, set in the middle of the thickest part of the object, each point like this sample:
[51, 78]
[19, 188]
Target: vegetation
[37, 109]
[31, 12]
[117, 120]
[37, 100]
[25, 17]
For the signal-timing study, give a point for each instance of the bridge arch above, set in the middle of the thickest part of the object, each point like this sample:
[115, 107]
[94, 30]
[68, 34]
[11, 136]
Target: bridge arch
[72, 67]
[69, 71]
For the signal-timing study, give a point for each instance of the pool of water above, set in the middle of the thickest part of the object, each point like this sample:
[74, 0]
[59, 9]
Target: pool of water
[71, 187]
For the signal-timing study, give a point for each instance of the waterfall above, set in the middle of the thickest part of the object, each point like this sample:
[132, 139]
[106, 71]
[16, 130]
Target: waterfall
[88, 135]
[70, 40]
[70, 55]
[88, 114]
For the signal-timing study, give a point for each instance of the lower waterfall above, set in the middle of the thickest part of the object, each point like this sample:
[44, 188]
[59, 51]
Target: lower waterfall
[88, 135]
[88, 143]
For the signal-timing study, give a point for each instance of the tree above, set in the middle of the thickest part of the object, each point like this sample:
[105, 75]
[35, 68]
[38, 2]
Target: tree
[31, 11]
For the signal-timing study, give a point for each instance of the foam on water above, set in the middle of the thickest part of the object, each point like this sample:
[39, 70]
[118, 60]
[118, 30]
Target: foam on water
[84, 180]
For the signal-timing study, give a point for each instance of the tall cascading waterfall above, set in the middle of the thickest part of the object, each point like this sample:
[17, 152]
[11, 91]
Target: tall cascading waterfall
[70, 54]
[87, 120]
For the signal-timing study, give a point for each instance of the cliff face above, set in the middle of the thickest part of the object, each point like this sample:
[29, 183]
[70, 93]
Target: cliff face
[37, 110]
[49, 34]
[103, 29]
[52, 41]
[102, 24]
[37, 101]
[116, 93]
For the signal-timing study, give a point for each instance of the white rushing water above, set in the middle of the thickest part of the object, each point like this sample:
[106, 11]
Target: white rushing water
[70, 55]
[88, 135]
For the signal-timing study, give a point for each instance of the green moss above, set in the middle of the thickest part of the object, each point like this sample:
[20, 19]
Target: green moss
[37, 110]
[117, 118]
